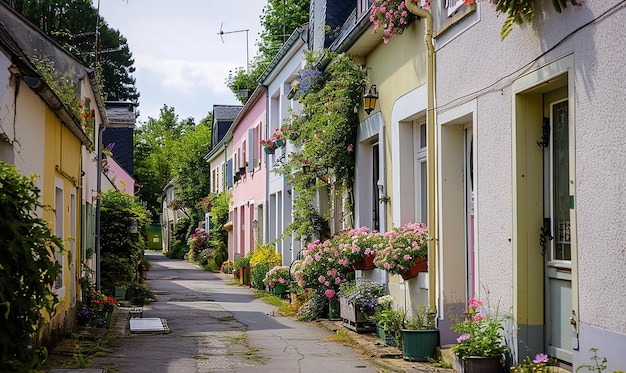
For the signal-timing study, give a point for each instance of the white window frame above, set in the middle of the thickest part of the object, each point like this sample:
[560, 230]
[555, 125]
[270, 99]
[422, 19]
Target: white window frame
[452, 6]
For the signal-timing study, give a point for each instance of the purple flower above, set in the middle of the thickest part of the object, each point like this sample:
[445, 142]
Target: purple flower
[540, 358]
[463, 337]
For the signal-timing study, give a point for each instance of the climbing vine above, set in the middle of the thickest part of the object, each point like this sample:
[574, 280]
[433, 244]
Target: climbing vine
[522, 11]
[323, 135]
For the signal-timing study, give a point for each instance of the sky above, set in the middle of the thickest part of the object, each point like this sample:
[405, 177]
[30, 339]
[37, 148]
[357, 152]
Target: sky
[180, 59]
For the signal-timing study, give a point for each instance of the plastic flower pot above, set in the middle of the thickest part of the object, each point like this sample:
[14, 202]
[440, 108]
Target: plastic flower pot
[419, 345]
[481, 364]
[280, 289]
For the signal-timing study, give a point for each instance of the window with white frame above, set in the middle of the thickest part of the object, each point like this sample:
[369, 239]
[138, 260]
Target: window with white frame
[214, 180]
[244, 154]
[452, 6]
[363, 6]
[420, 171]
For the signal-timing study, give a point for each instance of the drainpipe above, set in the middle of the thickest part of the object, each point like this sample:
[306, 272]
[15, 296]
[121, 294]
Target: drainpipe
[431, 161]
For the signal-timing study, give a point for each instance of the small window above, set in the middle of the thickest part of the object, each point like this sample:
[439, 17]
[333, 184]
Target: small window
[244, 155]
[422, 143]
[363, 6]
[452, 6]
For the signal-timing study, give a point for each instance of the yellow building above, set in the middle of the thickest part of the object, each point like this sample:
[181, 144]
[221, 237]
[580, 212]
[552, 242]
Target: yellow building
[40, 134]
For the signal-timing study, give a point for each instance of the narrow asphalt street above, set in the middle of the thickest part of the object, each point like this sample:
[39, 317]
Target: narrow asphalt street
[220, 327]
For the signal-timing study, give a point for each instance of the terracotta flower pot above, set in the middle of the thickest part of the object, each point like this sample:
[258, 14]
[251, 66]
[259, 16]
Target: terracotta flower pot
[421, 265]
[366, 263]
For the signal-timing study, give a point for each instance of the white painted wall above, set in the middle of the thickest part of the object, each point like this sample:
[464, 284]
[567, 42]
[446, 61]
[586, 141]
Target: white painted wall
[279, 194]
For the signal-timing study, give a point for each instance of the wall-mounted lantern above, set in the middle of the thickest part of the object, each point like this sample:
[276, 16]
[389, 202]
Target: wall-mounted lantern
[369, 99]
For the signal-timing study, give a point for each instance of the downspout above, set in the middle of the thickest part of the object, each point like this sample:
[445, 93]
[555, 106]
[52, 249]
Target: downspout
[431, 162]
[266, 207]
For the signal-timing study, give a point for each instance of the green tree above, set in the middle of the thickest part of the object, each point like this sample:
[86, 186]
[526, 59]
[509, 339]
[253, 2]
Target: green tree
[191, 170]
[27, 272]
[72, 23]
[167, 149]
[279, 19]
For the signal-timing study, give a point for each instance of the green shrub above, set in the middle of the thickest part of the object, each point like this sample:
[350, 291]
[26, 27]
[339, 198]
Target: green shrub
[221, 254]
[28, 272]
[181, 232]
[178, 249]
[120, 250]
[243, 261]
[257, 275]
[315, 307]
[211, 266]
[137, 294]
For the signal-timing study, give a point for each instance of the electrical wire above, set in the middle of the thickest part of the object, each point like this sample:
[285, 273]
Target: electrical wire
[534, 60]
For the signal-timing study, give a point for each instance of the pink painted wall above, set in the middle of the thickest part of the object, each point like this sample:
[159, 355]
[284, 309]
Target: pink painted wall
[120, 178]
[249, 191]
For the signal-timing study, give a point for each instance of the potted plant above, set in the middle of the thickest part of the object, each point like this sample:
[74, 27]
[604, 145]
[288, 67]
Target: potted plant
[392, 16]
[277, 279]
[104, 306]
[406, 251]
[420, 336]
[389, 324]
[243, 269]
[359, 247]
[268, 145]
[480, 346]
[279, 138]
[357, 302]
[228, 266]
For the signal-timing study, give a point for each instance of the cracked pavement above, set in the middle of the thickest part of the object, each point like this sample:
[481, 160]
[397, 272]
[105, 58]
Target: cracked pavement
[217, 327]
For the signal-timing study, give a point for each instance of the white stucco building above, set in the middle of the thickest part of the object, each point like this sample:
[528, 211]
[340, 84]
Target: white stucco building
[530, 174]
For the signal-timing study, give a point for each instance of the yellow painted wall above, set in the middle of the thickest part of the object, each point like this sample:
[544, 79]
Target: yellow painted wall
[62, 161]
[396, 68]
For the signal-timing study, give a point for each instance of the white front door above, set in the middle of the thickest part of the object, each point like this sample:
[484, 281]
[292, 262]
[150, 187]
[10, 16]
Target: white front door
[557, 241]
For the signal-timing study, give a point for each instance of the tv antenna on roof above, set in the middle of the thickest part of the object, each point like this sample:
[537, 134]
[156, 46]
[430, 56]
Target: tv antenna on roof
[222, 33]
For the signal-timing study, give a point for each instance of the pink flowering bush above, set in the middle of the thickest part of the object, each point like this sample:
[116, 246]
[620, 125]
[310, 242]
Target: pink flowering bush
[480, 333]
[402, 246]
[277, 275]
[322, 268]
[357, 243]
[392, 16]
[199, 241]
